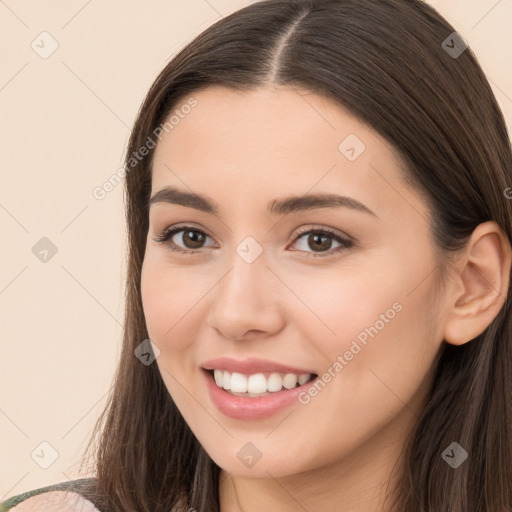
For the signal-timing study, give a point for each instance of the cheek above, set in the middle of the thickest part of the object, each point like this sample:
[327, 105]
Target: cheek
[168, 301]
[340, 306]
[169, 298]
[385, 309]
[174, 299]
[371, 332]
[377, 354]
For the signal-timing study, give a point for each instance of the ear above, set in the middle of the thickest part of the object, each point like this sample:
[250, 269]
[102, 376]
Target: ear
[480, 284]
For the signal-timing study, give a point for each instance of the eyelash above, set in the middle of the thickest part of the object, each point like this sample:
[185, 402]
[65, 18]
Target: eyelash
[164, 237]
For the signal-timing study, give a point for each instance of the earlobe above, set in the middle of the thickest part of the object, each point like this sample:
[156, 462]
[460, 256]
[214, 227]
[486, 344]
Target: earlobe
[482, 280]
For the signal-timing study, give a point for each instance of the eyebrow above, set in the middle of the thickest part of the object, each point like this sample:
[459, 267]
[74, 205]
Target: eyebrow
[284, 206]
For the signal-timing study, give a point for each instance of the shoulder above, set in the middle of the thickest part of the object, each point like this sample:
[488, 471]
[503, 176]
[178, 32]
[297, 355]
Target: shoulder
[55, 501]
[74, 495]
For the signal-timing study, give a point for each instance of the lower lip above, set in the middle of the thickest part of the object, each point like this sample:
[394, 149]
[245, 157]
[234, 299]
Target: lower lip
[247, 408]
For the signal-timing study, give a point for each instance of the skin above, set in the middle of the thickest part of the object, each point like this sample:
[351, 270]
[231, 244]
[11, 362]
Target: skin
[242, 150]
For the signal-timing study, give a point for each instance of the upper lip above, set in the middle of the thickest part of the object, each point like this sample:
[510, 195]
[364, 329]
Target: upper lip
[251, 365]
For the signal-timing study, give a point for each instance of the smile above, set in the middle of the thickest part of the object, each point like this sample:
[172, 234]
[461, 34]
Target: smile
[247, 405]
[258, 384]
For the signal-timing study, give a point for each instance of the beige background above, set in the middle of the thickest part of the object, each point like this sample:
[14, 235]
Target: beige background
[65, 123]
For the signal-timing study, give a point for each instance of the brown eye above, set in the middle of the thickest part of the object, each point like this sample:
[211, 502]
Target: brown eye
[192, 239]
[318, 242]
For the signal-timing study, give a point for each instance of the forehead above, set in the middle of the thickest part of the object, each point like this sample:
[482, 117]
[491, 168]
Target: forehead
[253, 146]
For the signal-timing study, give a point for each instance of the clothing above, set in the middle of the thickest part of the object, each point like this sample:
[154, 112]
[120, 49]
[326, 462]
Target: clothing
[86, 487]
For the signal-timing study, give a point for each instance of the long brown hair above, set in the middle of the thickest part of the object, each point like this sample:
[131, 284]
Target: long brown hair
[386, 61]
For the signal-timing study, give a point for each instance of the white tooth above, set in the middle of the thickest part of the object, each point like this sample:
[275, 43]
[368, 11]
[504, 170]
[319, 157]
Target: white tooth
[257, 383]
[238, 383]
[219, 377]
[275, 382]
[304, 378]
[226, 384]
[290, 381]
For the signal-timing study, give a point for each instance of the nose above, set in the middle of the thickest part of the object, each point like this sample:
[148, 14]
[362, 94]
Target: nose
[247, 301]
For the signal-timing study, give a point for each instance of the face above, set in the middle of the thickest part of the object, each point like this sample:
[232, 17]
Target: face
[342, 289]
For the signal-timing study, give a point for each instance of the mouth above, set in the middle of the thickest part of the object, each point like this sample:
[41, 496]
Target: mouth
[246, 403]
[259, 384]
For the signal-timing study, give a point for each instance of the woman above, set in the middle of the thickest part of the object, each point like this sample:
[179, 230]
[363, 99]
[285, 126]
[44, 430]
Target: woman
[318, 313]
